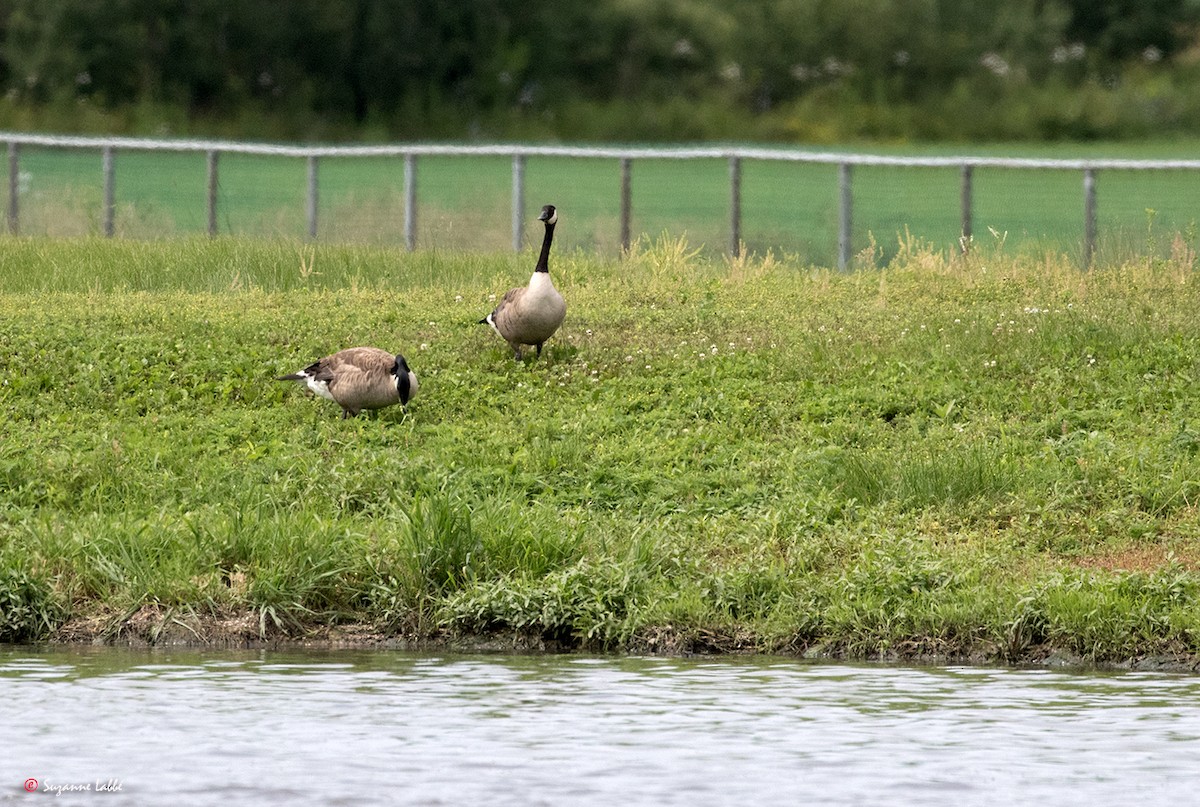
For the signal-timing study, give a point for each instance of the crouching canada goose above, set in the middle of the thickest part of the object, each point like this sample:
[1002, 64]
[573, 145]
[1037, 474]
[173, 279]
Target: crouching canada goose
[359, 378]
[529, 315]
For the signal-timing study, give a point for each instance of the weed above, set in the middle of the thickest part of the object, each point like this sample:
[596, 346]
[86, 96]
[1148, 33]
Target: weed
[29, 608]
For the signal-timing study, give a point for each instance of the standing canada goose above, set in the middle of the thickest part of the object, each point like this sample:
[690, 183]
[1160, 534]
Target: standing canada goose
[359, 378]
[529, 315]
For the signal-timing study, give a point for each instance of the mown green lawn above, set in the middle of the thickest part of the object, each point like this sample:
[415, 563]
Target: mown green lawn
[989, 456]
[465, 202]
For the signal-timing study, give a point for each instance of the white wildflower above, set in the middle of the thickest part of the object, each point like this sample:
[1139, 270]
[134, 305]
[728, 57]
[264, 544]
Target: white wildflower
[802, 72]
[835, 67]
[1068, 53]
[683, 47]
[995, 63]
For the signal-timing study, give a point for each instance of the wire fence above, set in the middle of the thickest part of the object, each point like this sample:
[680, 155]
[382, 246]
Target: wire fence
[823, 207]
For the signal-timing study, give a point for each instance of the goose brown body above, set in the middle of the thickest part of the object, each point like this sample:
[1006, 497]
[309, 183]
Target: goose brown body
[529, 315]
[359, 378]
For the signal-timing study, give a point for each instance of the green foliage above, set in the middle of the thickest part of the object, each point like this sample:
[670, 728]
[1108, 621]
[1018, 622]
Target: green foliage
[444, 549]
[952, 474]
[29, 608]
[617, 69]
[593, 603]
[1102, 617]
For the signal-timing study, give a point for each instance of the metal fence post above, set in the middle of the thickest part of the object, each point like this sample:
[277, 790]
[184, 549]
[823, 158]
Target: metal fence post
[518, 199]
[104, 223]
[846, 212]
[968, 171]
[14, 187]
[1089, 217]
[109, 212]
[626, 201]
[312, 196]
[212, 193]
[735, 206]
[410, 201]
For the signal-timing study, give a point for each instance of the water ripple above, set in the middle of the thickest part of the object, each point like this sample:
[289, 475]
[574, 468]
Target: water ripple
[397, 728]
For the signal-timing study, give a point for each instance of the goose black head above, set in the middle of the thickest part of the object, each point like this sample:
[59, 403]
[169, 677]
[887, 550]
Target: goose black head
[404, 384]
[549, 214]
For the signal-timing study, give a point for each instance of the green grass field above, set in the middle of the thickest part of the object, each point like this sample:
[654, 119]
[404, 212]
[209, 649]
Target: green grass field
[464, 202]
[988, 457]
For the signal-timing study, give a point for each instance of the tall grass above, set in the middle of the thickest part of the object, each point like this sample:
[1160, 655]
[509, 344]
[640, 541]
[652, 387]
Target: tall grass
[981, 455]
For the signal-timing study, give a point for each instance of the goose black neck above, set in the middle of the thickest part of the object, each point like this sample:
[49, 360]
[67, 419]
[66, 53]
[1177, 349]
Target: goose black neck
[543, 264]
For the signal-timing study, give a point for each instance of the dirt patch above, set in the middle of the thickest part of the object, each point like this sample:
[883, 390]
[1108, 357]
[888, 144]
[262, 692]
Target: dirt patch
[1145, 559]
[157, 624]
[160, 626]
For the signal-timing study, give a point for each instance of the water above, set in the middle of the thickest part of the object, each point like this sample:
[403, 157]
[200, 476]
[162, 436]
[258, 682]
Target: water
[350, 727]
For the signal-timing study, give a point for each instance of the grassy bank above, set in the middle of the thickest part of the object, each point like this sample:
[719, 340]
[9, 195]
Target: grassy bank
[986, 456]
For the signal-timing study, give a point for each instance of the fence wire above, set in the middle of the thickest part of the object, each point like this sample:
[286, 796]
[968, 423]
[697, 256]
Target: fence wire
[822, 208]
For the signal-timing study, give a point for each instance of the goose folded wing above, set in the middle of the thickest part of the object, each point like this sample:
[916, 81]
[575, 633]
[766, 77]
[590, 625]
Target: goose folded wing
[508, 304]
[363, 359]
[352, 381]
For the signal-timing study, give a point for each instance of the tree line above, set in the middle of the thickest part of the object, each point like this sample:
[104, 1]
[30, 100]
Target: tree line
[605, 69]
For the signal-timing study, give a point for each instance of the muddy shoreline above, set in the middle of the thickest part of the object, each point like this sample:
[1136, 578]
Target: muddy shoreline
[150, 629]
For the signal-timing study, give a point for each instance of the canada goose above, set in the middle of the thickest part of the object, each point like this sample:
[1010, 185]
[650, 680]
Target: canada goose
[359, 378]
[529, 315]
